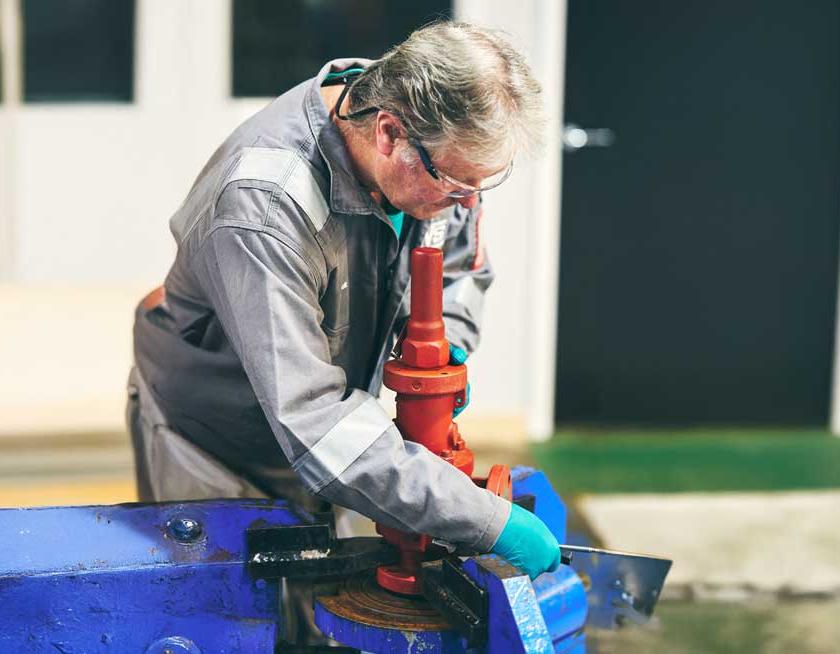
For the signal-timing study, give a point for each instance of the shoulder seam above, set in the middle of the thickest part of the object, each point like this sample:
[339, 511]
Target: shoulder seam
[290, 172]
[272, 233]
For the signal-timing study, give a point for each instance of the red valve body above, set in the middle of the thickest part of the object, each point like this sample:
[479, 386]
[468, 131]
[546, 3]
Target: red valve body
[427, 390]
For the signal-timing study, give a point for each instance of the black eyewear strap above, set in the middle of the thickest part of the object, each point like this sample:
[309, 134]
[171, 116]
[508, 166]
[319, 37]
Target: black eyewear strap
[353, 114]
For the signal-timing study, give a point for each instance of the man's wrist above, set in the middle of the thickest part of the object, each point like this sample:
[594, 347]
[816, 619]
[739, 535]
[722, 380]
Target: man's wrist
[495, 524]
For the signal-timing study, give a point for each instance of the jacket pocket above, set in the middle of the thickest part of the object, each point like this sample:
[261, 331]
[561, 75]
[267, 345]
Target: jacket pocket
[336, 339]
[246, 201]
[335, 303]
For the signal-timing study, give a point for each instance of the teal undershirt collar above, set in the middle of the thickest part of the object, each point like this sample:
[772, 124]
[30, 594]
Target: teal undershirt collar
[343, 73]
[396, 220]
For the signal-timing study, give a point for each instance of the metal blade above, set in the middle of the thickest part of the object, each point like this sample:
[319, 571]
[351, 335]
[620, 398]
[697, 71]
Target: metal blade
[620, 586]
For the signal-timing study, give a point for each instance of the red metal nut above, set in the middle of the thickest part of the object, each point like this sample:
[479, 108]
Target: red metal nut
[423, 354]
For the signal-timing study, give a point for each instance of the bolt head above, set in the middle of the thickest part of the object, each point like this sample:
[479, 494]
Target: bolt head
[424, 355]
[184, 530]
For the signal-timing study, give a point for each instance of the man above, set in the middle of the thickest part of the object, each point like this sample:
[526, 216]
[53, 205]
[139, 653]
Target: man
[257, 366]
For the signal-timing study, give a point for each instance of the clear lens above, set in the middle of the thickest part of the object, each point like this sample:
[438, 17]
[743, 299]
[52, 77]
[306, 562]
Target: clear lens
[463, 190]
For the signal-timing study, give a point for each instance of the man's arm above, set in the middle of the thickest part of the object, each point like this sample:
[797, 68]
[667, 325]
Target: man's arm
[339, 440]
[467, 274]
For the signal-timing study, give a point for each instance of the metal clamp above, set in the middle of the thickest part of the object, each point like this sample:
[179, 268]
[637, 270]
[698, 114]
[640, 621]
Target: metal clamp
[312, 551]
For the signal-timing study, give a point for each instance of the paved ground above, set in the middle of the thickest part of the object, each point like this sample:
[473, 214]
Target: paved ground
[97, 468]
[729, 545]
[758, 626]
[52, 470]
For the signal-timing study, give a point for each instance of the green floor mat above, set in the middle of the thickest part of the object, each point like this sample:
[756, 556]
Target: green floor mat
[627, 461]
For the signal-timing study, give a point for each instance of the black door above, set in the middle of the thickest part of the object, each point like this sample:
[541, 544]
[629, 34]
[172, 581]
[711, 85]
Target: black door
[699, 250]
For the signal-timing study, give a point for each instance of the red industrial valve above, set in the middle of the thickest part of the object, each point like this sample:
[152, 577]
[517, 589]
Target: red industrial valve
[428, 390]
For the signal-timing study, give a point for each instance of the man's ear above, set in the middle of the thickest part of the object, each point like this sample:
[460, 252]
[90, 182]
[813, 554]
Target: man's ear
[388, 130]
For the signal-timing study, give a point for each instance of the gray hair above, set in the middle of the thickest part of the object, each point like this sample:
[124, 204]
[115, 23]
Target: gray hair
[459, 86]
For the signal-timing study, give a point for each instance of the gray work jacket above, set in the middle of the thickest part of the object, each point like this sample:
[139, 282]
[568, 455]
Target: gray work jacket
[281, 307]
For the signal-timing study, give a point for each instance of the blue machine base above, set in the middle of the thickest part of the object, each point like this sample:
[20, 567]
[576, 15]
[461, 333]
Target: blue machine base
[172, 578]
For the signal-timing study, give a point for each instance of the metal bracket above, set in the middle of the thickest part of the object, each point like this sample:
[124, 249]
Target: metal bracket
[312, 551]
[621, 586]
[527, 502]
[458, 598]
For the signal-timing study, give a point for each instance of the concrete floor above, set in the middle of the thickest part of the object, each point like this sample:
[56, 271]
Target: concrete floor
[757, 626]
[73, 469]
[729, 546]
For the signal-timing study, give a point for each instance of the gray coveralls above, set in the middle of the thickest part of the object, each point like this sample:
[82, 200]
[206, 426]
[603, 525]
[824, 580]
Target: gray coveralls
[283, 302]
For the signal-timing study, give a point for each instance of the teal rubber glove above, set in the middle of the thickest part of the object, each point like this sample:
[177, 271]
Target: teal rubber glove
[458, 409]
[527, 543]
[457, 357]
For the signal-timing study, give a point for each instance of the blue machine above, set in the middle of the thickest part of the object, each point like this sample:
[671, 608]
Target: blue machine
[205, 577]
[136, 578]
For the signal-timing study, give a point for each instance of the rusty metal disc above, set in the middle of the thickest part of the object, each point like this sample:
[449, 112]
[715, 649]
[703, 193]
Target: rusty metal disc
[361, 600]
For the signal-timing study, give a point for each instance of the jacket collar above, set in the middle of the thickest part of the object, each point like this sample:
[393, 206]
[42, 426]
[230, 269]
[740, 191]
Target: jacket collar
[346, 194]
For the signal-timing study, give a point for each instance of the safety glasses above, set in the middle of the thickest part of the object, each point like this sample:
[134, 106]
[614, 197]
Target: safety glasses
[463, 190]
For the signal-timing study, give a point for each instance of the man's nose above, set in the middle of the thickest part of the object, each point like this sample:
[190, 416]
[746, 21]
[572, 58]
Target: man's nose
[469, 202]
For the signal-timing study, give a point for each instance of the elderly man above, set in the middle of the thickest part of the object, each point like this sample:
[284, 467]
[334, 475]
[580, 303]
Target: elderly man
[257, 365]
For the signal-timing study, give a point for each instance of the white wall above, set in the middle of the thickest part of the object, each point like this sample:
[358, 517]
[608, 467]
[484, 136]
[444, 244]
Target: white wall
[96, 183]
[514, 369]
[86, 190]
[9, 31]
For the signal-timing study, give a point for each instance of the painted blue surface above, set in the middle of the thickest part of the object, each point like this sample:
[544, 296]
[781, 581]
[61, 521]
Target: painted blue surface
[561, 595]
[549, 507]
[114, 579]
[85, 538]
[516, 624]
[562, 600]
[152, 579]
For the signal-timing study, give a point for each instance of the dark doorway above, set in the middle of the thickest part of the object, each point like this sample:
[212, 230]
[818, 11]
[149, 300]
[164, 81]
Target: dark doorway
[699, 250]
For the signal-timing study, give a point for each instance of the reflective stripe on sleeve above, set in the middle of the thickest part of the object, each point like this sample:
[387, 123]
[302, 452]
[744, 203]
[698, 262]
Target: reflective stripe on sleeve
[290, 172]
[343, 444]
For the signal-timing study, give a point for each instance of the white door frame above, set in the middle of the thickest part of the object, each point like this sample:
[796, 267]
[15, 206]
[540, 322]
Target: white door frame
[539, 26]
